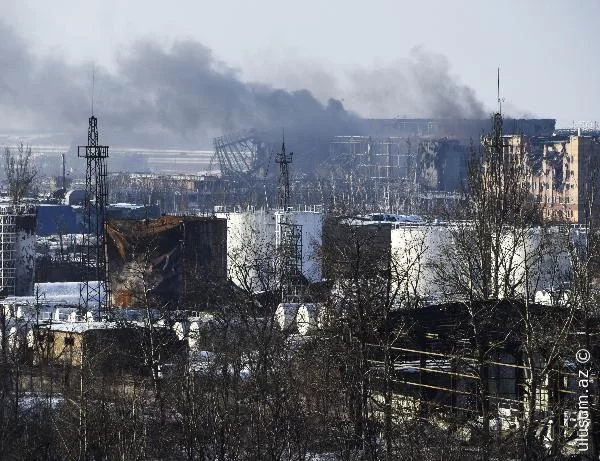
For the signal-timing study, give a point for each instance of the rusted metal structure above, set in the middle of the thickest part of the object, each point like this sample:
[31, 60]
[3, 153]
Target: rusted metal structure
[170, 263]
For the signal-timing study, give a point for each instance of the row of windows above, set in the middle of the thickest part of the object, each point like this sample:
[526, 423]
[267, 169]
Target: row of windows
[559, 213]
[558, 199]
[542, 186]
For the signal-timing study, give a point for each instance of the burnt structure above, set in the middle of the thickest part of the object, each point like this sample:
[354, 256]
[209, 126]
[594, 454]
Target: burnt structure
[96, 199]
[562, 173]
[172, 262]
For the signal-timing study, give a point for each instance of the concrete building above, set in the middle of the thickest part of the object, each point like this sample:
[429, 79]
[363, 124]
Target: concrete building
[109, 347]
[563, 173]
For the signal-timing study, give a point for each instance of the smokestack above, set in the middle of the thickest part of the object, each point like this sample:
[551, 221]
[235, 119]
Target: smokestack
[64, 178]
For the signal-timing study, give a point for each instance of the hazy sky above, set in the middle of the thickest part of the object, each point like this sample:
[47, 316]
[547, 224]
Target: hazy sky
[369, 54]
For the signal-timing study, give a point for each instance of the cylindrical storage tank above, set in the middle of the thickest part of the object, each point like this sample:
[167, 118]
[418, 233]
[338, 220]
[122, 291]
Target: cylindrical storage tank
[180, 329]
[418, 251]
[307, 319]
[193, 334]
[12, 337]
[534, 260]
[285, 315]
[30, 339]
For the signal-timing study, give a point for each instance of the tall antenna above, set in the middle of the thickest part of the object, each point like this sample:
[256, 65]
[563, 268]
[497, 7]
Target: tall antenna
[499, 100]
[289, 234]
[283, 185]
[494, 140]
[93, 85]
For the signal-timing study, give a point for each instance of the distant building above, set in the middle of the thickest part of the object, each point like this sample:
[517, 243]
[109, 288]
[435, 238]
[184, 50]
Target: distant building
[564, 173]
[109, 346]
[58, 219]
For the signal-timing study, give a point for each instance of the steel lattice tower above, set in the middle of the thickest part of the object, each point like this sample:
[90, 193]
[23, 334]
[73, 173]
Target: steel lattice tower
[94, 289]
[283, 184]
[289, 235]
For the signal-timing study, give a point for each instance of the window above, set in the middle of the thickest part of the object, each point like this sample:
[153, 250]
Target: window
[69, 341]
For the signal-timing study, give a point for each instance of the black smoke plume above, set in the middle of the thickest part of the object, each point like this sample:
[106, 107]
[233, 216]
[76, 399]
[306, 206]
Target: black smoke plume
[183, 96]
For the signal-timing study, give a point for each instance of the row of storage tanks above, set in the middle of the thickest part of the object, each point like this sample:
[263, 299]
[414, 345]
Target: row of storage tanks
[529, 260]
[305, 318]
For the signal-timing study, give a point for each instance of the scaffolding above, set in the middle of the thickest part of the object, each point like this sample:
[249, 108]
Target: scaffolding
[375, 172]
[288, 235]
[8, 237]
[289, 243]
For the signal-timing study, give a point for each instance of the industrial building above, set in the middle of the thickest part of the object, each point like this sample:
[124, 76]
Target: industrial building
[170, 261]
[109, 347]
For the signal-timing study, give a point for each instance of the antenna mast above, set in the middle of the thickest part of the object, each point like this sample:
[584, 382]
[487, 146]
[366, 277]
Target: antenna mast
[499, 100]
[93, 85]
[283, 185]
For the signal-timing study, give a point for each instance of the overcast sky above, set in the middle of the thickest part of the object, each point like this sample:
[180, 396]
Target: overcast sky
[371, 55]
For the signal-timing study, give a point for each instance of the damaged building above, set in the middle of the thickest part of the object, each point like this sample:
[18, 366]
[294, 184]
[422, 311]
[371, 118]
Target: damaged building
[170, 262]
[441, 164]
[562, 172]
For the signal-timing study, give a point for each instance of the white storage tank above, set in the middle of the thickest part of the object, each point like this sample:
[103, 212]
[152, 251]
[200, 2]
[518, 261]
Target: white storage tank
[534, 260]
[285, 315]
[310, 318]
[252, 243]
[181, 329]
[418, 251]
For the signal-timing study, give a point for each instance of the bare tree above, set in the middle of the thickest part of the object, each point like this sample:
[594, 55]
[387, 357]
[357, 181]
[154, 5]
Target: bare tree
[20, 172]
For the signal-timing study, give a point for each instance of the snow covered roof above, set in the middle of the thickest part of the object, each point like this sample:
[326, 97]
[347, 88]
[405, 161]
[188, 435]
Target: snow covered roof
[63, 293]
[384, 218]
[81, 327]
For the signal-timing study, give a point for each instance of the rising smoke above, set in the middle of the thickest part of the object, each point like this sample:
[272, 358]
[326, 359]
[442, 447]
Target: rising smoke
[183, 96]
[419, 86]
